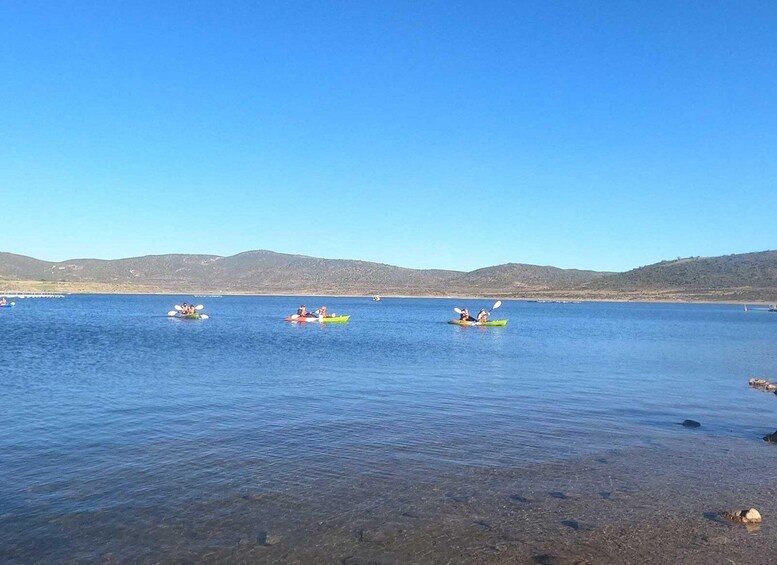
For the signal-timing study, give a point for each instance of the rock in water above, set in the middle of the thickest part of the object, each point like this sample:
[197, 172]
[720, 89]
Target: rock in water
[750, 516]
[771, 438]
[691, 423]
[753, 516]
[266, 538]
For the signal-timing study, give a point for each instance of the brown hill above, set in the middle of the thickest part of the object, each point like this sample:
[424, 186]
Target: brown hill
[741, 277]
[516, 277]
[269, 272]
[749, 277]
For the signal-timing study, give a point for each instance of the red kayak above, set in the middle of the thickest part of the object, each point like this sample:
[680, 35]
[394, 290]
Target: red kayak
[327, 320]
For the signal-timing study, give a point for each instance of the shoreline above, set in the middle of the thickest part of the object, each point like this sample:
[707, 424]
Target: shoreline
[488, 296]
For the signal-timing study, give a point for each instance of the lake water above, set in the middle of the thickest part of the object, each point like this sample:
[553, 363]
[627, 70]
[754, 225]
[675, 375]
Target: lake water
[395, 438]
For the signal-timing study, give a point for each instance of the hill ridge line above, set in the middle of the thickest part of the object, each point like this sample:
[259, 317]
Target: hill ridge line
[735, 277]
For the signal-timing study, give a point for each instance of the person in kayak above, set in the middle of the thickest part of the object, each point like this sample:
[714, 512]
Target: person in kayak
[483, 316]
[3, 301]
[465, 317]
[302, 311]
[321, 312]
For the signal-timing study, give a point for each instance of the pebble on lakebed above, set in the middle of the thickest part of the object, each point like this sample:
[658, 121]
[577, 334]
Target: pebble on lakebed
[771, 438]
[751, 516]
[267, 538]
[691, 424]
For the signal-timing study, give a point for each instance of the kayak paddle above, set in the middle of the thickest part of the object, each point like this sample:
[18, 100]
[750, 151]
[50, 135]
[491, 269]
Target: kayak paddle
[204, 316]
[496, 305]
[172, 313]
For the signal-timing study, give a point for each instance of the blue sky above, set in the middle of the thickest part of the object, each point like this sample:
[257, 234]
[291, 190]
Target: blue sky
[602, 135]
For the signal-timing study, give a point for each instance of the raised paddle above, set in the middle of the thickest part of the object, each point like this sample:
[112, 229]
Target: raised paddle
[177, 307]
[200, 307]
[459, 311]
[496, 305]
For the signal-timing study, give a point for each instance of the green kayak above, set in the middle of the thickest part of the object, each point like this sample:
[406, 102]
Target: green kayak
[489, 323]
[335, 320]
[193, 314]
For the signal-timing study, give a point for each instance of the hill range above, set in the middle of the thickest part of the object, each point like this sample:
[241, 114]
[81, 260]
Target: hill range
[750, 277]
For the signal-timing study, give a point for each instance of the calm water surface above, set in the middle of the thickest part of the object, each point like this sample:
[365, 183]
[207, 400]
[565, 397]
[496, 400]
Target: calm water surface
[113, 417]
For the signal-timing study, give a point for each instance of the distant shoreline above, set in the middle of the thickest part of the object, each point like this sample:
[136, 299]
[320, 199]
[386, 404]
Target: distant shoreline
[731, 279]
[493, 296]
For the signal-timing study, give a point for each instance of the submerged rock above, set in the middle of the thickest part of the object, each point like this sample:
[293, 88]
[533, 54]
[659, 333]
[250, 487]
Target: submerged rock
[691, 424]
[771, 438]
[266, 538]
[382, 534]
[750, 516]
[352, 560]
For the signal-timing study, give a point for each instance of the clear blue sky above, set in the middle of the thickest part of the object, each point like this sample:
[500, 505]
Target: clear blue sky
[600, 135]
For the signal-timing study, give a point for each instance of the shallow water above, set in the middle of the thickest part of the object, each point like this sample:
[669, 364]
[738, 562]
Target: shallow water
[125, 435]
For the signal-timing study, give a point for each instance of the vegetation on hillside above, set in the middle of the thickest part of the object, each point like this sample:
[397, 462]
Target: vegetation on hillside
[744, 277]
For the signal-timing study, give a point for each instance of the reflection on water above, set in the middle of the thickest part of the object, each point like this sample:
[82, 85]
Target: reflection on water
[124, 432]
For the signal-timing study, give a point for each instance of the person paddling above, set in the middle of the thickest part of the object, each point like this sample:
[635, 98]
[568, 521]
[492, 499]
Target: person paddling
[3, 301]
[482, 319]
[464, 316]
[302, 311]
[321, 312]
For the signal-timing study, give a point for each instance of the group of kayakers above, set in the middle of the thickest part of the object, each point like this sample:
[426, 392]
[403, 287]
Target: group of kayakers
[187, 309]
[465, 316]
[322, 315]
[303, 312]
[482, 316]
